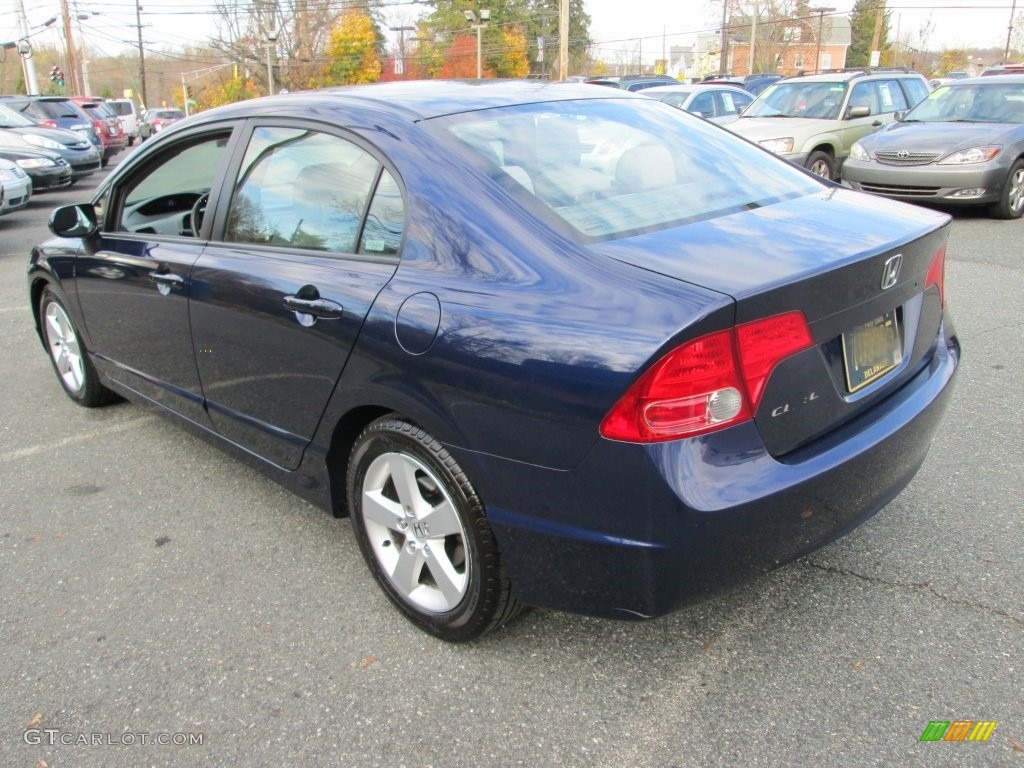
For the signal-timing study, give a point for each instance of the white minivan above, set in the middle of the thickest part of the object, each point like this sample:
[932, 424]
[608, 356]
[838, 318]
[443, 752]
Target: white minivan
[134, 126]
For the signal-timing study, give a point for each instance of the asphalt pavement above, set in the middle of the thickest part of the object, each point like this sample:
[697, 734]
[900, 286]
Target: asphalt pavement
[164, 605]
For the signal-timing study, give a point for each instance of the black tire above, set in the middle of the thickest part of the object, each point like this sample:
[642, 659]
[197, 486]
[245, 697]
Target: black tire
[68, 355]
[451, 581]
[821, 164]
[1011, 199]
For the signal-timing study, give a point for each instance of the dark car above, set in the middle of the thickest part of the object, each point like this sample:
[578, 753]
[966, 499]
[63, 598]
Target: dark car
[21, 132]
[540, 342]
[48, 170]
[964, 145]
[55, 112]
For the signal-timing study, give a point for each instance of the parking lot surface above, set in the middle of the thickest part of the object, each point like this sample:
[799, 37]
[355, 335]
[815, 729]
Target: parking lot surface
[164, 605]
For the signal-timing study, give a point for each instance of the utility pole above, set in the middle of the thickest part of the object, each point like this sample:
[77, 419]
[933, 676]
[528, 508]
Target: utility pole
[753, 41]
[1009, 33]
[28, 66]
[724, 43]
[876, 53]
[142, 55]
[76, 86]
[400, 61]
[821, 18]
[86, 89]
[563, 40]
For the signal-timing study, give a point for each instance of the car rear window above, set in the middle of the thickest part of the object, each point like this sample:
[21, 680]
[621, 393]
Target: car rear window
[120, 108]
[610, 167]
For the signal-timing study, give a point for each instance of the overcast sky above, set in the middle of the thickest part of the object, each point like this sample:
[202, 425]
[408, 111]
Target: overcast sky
[617, 25]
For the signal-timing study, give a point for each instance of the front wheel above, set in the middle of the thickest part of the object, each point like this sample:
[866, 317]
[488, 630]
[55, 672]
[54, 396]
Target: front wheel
[1011, 201]
[421, 529]
[68, 354]
[821, 164]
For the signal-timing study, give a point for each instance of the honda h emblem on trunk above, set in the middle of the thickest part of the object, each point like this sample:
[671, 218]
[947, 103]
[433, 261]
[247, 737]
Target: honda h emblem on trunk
[891, 270]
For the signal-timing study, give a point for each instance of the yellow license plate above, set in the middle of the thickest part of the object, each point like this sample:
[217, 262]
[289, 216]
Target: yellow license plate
[871, 350]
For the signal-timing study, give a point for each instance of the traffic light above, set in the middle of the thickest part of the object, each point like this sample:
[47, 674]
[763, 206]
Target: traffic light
[188, 91]
[57, 75]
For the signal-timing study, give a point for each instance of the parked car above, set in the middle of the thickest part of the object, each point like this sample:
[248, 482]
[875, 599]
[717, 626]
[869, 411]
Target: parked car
[108, 125]
[1003, 69]
[135, 128]
[813, 120]
[15, 187]
[718, 103]
[163, 117]
[19, 131]
[962, 146]
[634, 82]
[48, 170]
[530, 337]
[55, 112]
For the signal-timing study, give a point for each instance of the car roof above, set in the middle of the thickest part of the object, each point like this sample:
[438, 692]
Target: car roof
[696, 88]
[421, 100]
[989, 80]
[845, 75]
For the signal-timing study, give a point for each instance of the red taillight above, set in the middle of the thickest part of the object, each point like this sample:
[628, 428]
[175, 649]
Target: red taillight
[698, 387]
[47, 123]
[937, 274]
[763, 343]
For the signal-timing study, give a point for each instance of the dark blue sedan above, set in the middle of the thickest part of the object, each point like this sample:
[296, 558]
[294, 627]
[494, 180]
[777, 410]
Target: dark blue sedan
[546, 344]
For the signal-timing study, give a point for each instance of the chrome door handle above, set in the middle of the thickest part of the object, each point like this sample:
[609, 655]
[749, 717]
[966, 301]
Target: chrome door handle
[322, 308]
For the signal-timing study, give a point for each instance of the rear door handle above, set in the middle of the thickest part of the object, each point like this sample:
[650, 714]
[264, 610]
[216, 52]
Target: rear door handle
[166, 281]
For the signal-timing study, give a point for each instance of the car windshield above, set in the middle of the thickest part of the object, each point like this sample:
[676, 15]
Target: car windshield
[11, 119]
[990, 102]
[610, 167]
[799, 99]
[166, 114]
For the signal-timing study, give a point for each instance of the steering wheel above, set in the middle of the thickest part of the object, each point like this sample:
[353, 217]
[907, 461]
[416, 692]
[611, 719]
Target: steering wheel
[198, 213]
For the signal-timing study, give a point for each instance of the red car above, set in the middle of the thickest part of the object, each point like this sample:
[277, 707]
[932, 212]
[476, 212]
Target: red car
[108, 125]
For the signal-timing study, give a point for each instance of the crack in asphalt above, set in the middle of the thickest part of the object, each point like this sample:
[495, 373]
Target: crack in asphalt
[922, 586]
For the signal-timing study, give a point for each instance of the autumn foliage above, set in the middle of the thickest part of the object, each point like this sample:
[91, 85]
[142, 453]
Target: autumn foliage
[352, 50]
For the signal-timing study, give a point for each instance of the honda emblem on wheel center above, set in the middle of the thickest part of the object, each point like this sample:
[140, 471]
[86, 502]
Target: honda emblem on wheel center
[891, 270]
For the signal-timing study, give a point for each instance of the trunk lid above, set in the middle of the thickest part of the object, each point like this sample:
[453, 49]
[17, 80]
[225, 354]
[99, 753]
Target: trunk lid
[828, 256]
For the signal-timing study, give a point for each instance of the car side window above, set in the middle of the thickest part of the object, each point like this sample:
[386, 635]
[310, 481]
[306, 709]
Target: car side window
[304, 189]
[890, 96]
[732, 103]
[382, 233]
[916, 90]
[703, 104]
[864, 95]
[161, 197]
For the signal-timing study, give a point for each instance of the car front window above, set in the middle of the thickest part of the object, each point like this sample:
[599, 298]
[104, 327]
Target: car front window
[982, 103]
[613, 167]
[794, 99]
[11, 119]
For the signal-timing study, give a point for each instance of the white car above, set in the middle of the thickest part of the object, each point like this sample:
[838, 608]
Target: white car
[134, 126]
[16, 185]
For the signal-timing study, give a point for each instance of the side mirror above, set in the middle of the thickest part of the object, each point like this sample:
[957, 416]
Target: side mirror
[74, 221]
[898, 116]
[854, 112]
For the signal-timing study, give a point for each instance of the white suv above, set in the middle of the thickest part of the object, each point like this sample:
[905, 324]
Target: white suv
[134, 126]
[813, 120]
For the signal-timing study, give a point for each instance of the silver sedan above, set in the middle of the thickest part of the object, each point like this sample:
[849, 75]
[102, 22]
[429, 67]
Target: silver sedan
[962, 145]
[718, 103]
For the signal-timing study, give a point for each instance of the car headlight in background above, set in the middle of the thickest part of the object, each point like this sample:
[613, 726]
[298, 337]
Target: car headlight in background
[40, 141]
[857, 152]
[35, 162]
[778, 146]
[972, 155]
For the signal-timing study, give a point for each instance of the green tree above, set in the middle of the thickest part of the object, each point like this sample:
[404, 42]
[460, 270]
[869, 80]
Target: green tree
[353, 50]
[542, 21]
[863, 19]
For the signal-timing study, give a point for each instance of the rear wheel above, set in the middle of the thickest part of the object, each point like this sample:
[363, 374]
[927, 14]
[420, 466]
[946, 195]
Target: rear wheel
[421, 529]
[821, 164]
[1011, 201]
[68, 354]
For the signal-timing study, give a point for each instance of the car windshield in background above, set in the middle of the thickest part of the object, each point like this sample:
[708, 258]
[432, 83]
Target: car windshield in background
[610, 168]
[989, 102]
[799, 99]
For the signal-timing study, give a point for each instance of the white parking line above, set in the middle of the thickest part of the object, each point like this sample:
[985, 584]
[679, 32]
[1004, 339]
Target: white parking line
[32, 450]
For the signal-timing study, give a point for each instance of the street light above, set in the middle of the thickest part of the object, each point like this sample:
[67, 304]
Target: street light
[821, 17]
[485, 16]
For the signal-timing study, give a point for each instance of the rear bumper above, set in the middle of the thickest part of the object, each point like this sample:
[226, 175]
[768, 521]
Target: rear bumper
[638, 531]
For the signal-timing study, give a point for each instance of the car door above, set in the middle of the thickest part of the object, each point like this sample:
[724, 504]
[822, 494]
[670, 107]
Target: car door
[134, 287]
[308, 236]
